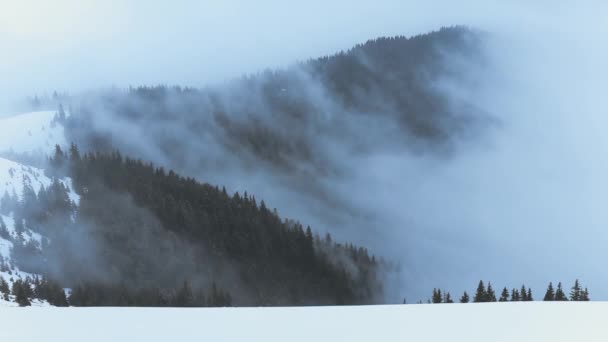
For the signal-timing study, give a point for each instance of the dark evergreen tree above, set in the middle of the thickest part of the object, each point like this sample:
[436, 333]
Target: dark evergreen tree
[20, 292]
[448, 298]
[559, 293]
[504, 295]
[576, 292]
[529, 295]
[515, 296]
[523, 294]
[480, 295]
[585, 295]
[465, 297]
[550, 294]
[490, 294]
[437, 296]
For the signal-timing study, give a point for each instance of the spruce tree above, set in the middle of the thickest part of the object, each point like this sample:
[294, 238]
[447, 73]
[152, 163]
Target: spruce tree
[523, 294]
[20, 293]
[559, 293]
[490, 294]
[585, 295]
[515, 295]
[464, 298]
[437, 297]
[480, 294]
[575, 292]
[529, 295]
[504, 296]
[448, 298]
[550, 294]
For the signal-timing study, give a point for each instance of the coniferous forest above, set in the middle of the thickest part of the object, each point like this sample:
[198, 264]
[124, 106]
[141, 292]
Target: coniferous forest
[149, 237]
[148, 231]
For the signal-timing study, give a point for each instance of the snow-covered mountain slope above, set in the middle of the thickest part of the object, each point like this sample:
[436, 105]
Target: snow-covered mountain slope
[516, 322]
[14, 176]
[32, 132]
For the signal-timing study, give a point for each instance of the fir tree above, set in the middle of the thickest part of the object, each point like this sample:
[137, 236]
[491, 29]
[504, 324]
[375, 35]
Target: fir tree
[20, 293]
[559, 293]
[490, 294]
[504, 296]
[448, 298]
[550, 294]
[514, 295]
[585, 295]
[523, 294]
[529, 295]
[481, 294]
[464, 298]
[575, 292]
[437, 297]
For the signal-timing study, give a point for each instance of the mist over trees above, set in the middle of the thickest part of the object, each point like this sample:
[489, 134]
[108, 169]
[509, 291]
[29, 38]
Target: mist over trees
[292, 134]
[149, 237]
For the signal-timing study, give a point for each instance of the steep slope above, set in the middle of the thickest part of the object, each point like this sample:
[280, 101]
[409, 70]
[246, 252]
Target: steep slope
[29, 136]
[181, 237]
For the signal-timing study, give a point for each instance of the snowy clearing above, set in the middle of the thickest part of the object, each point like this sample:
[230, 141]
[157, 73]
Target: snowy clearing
[31, 133]
[518, 322]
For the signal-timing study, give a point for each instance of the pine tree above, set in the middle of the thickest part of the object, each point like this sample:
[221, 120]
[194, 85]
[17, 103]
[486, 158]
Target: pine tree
[20, 293]
[550, 294]
[448, 298]
[515, 295]
[523, 294]
[575, 292]
[437, 297]
[559, 293]
[464, 298]
[490, 294]
[585, 295]
[529, 295]
[504, 296]
[481, 294]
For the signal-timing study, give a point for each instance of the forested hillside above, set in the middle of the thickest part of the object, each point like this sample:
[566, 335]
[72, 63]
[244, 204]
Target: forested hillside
[148, 229]
[145, 236]
[283, 119]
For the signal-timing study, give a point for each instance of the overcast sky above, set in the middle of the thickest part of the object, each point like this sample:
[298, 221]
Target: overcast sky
[72, 45]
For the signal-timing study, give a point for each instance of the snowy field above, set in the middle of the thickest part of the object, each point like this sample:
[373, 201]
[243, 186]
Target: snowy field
[31, 132]
[517, 322]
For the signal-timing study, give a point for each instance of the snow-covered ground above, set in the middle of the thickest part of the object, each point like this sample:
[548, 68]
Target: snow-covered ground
[32, 132]
[491, 322]
[12, 303]
[14, 175]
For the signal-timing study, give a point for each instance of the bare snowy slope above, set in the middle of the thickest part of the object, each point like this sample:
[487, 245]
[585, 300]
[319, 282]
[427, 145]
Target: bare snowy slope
[495, 322]
[33, 132]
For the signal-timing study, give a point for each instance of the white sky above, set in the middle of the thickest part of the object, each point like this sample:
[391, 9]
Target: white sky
[71, 45]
